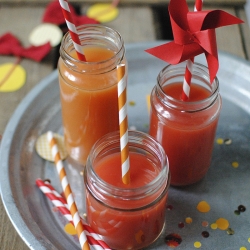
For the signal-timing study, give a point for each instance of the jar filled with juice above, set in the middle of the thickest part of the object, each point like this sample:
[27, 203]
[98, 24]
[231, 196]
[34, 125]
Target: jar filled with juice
[88, 89]
[128, 216]
[185, 129]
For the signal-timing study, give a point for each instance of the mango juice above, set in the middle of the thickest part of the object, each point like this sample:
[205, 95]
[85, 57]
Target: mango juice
[88, 89]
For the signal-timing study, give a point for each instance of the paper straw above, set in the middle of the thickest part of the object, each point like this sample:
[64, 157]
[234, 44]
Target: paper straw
[72, 29]
[59, 202]
[67, 192]
[123, 123]
[190, 62]
[198, 5]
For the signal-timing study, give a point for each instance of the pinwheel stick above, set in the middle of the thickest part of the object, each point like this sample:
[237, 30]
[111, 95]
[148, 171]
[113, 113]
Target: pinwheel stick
[189, 68]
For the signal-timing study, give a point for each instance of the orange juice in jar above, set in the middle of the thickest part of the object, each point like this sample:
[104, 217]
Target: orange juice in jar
[88, 89]
[128, 216]
[185, 129]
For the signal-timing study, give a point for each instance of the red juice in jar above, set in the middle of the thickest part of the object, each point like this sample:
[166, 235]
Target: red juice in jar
[186, 130]
[128, 216]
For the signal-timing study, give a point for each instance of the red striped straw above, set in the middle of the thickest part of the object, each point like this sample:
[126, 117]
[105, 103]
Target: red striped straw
[190, 62]
[72, 29]
[67, 192]
[123, 122]
[95, 240]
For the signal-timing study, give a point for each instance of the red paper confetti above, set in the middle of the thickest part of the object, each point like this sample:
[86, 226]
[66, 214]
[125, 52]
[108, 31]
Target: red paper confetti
[194, 34]
[10, 45]
[53, 14]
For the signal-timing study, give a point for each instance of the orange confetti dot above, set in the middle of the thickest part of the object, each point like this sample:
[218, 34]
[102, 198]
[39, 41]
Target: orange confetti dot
[189, 220]
[222, 224]
[139, 236]
[203, 207]
[70, 229]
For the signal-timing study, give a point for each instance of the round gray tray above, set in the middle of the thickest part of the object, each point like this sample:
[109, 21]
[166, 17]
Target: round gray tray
[224, 187]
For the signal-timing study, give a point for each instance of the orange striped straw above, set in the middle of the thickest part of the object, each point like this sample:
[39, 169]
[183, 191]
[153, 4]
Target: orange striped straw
[67, 192]
[123, 122]
[190, 62]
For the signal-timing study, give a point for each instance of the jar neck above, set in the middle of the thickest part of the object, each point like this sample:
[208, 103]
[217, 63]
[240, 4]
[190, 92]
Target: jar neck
[93, 35]
[175, 74]
[138, 142]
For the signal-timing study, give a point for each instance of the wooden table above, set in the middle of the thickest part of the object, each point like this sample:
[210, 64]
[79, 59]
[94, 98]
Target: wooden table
[136, 22]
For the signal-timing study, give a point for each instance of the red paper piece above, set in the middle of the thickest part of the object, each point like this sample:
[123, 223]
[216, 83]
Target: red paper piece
[53, 14]
[9, 45]
[194, 34]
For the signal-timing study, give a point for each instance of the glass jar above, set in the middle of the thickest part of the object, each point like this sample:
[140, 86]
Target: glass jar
[185, 129]
[128, 216]
[88, 89]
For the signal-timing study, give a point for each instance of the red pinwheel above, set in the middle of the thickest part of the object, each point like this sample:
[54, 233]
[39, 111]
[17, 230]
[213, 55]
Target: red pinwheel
[194, 34]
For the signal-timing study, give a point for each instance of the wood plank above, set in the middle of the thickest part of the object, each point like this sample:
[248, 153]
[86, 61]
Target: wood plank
[229, 39]
[140, 2]
[27, 18]
[135, 24]
[245, 29]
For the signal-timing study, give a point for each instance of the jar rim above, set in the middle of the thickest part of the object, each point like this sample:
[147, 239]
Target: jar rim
[163, 177]
[87, 29]
[198, 69]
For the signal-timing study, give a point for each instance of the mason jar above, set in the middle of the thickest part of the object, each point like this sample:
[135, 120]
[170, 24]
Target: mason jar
[88, 89]
[128, 216]
[185, 129]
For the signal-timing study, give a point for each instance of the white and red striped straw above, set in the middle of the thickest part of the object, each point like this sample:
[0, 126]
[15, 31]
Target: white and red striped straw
[94, 239]
[72, 29]
[67, 192]
[123, 123]
[190, 62]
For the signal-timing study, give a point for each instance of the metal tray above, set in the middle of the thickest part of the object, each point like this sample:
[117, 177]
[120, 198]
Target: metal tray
[224, 187]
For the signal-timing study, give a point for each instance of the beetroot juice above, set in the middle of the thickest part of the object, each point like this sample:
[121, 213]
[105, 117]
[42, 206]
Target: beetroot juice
[187, 129]
[128, 216]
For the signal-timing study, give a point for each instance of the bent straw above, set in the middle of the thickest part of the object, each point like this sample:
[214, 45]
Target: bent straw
[67, 192]
[59, 202]
[123, 123]
[190, 62]
[72, 29]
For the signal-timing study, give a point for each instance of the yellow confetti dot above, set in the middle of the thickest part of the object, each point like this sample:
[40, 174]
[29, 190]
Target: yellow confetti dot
[70, 229]
[203, 207]
[220, 141]
[132, 103]
[249, 240]
[15, 80]
[235, 164]
[197, 244]
[222, 223]
[189, 220]
[243, 248]
[103, 12]
[214, 226]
